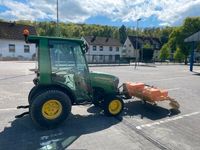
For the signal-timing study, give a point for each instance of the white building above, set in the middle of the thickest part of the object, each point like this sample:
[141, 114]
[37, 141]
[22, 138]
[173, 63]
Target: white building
[129, 50]
[103, 49]
[12, 45]
[134, 46]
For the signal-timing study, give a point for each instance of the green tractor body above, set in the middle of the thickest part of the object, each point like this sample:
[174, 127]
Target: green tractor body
[63, 79]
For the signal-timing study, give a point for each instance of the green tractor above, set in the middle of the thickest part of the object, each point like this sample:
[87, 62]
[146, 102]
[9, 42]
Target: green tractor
[63, 79]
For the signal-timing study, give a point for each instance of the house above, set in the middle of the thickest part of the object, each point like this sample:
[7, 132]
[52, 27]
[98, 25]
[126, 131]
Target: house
[102, 49]
[12, 45]
[134, 47]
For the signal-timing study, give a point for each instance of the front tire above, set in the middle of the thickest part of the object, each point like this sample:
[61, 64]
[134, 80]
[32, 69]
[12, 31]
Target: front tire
[113, 106]
[50, 108]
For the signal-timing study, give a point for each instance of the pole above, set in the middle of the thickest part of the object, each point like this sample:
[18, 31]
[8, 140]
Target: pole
[57, 12]
[136, 44]
[57, 23]
[192, 57]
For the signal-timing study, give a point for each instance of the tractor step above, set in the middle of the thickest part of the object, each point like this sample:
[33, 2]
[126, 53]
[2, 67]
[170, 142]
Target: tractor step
[23, 107]
[22, 115]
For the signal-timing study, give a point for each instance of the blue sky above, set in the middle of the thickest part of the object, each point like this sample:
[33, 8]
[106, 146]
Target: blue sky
[154, 13]
[152, 21]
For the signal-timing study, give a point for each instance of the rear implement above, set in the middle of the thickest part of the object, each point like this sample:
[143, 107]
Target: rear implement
[148, 94]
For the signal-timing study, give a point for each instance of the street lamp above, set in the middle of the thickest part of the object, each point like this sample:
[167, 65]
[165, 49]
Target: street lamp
[136, 43]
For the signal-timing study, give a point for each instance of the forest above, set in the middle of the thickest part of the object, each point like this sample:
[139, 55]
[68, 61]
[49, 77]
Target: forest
[172, 38]
[72, 30]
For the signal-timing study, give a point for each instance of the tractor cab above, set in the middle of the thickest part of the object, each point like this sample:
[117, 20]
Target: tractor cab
[62, 62]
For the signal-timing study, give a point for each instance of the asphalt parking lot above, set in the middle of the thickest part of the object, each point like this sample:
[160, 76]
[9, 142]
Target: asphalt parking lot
[139, 126]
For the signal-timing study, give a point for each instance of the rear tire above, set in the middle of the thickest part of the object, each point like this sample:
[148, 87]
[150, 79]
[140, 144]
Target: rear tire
[35, 92]
[113, 106]
[50, 108]
[32, 94]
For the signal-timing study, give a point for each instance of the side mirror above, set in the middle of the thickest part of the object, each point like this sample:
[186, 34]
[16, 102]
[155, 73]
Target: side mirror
[85, 48]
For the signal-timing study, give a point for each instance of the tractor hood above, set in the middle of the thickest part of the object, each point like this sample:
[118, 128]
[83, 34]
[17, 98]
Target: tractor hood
[107, 82]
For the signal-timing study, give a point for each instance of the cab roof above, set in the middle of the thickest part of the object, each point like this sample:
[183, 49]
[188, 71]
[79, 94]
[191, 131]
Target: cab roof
[35, 39]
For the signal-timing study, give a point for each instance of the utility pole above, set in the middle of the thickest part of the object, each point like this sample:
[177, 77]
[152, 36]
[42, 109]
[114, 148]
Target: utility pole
[136, 44]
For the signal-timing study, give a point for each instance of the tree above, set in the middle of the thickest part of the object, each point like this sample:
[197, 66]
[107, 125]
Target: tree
[165, 52]
[178, 55]
[177, 36]
[122, 34]
[164, 34]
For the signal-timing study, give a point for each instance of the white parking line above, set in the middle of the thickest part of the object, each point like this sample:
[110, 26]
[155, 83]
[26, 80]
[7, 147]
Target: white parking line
[30, 82]
[173, 89]
[166, 120]
[8, 109]
[166, 79]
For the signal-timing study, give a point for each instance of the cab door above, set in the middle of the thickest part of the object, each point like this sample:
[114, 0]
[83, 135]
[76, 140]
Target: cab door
[68, 67]
[81, 76]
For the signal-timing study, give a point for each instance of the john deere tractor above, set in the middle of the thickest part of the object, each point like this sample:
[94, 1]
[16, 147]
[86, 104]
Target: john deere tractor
[63, 79]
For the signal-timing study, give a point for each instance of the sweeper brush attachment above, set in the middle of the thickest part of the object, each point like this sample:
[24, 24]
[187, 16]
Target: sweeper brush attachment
[174, 104]
[148, 93]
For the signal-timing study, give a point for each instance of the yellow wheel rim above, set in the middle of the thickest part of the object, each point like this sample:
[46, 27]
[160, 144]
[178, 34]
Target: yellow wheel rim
[51, 109]
[115, 107]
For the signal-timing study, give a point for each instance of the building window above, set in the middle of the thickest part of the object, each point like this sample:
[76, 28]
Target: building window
[117, 57]
[117, 49]
[129, 45]
[124, 51]
[94, 48]
[101, 57]
[94, 58]
[110, 48]
[11, 48]
[157, 46]
[101, 48]
[26, 49]
[110, 57]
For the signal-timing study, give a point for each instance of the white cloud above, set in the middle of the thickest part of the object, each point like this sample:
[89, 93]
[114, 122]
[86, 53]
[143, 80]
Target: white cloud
[168, 12]
[164, 24]
[174, 12]
[21, 11]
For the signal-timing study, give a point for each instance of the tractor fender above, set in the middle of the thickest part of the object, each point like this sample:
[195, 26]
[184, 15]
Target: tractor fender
[38, 89]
